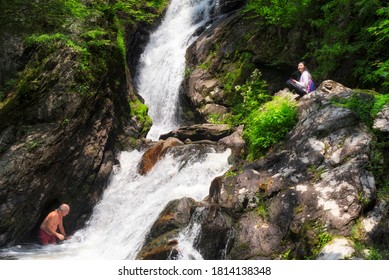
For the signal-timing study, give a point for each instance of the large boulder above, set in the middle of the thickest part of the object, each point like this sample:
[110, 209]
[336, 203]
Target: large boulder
[255, 238]
[155, 153]
[337, 249]
[161, 241]
[216, 232]
[211, 132]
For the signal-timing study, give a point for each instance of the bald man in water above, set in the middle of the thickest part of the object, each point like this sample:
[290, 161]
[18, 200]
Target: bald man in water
[48, 229]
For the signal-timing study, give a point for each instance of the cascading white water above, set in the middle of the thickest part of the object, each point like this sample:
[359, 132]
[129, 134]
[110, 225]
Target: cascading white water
[131, 203]
[162, 64]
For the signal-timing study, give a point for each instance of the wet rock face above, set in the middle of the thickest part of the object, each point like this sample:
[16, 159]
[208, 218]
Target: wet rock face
[155, 153]
[11, 59]
[182, 216]
[161, 241]
[226, 6]
[57, 145]
[176, 215]
[41, 166]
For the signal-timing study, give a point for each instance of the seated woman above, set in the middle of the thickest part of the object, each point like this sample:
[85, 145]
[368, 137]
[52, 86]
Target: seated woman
[302, 86]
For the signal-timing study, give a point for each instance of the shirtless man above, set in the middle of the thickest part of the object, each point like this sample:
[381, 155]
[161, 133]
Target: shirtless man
[53, 221]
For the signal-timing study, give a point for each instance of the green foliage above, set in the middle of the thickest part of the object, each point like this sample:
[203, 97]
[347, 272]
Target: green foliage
[215, 119]
[362, 199]
[77, 8]
[93, 29]
[43, 15]
[380, 101]
[120, 40]
[374, 254]
[49, 40]
[254, 92]
[262, 209]
[383, 190]
[368, 253]
[349, 33]
[94, 34]
[32, 145]
[268, 124]
[240, 67]
[365, 104]
[339, 35]
[251, 95]
[323, 239]
[380, 29]
[313, 236]
[287, 255]
[136, 10]
[267, 119]
[230, 173]
[139, 111]
[276, 12]
[378, 166]
[316, 172]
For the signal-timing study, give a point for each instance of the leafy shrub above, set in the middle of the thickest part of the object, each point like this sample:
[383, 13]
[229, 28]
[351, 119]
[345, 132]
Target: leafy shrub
[251, 96]
[267, 119]
[277, 12]
[269, 124]
[254, 92]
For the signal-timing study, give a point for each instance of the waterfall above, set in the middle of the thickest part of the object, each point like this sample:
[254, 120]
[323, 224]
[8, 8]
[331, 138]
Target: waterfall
[132, 202]
[162, 65]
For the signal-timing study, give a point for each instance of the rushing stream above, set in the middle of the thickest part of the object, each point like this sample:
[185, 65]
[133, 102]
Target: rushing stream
[132, 202]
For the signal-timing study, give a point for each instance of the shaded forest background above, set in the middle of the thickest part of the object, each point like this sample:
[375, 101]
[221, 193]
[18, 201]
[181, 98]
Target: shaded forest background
[351, 36]
[345, 40]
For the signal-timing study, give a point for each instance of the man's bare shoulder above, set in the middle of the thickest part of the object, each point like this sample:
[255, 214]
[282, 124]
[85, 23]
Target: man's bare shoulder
[52, 214]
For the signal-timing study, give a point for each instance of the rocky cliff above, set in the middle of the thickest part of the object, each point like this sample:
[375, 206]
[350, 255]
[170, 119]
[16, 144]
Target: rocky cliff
[314, 189]
[70, 107]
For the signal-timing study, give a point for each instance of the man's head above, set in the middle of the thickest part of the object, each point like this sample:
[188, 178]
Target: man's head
[64, 209]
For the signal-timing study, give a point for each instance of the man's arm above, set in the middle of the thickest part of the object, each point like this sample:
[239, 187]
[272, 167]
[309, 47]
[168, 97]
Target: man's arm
[61, 228]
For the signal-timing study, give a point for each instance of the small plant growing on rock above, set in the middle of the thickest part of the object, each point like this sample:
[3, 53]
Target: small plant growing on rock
[316, 172]
[32, 145]
[262, 210]
[215, 118]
